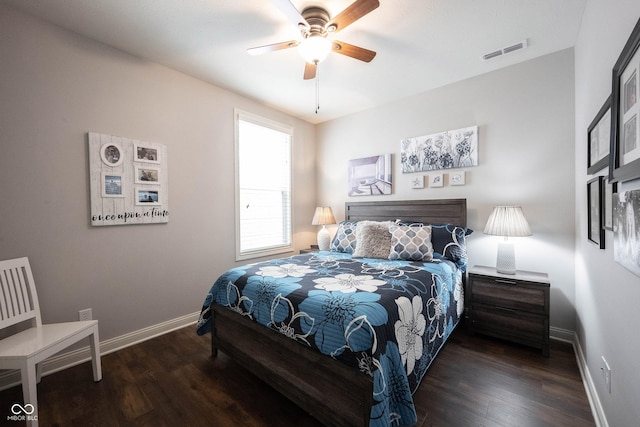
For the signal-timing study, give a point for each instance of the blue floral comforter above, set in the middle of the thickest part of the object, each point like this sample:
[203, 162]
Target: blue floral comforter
[387, 318]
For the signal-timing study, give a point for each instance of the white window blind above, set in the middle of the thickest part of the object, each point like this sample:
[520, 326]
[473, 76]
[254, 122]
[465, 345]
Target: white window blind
[263, 186]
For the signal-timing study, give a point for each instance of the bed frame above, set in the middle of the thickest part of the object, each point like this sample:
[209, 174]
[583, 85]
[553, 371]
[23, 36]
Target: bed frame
[308, 377]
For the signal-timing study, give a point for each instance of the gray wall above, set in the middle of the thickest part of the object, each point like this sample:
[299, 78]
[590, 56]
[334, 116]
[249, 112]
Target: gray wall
[607, 295]
[526, 148]
[54, 88]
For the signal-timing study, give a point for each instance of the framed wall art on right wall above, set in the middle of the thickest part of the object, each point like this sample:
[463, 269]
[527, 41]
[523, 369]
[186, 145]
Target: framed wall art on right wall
[595, 230]
[624, 161]
[626, 230]
[599, 139]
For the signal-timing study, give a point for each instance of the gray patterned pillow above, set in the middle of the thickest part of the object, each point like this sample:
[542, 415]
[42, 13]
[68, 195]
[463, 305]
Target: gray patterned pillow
[411, 243]
[373, 239]
[345, 238]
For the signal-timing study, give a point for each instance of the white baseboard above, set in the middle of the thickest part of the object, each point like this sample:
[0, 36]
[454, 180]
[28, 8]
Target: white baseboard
[561, 334]
[594, 401]
[11, 378]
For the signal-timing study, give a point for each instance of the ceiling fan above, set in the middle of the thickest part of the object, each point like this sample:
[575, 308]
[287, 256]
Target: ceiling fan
[315, 24]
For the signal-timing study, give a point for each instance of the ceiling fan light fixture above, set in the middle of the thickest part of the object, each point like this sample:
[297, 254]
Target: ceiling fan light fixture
[314, 49]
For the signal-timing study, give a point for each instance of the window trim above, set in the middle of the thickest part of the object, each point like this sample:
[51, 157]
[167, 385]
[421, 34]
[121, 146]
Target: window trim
[272, 124]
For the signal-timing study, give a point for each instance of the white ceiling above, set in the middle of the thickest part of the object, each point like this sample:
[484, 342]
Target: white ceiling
[420, 44]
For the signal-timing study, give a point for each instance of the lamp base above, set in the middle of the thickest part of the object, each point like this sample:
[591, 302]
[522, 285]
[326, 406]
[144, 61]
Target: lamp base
[506, 261]
[323, 239]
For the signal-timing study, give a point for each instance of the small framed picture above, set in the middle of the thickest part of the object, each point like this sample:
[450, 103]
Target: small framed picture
[595, 230]
[147, 175]
[111, 154]
[417, 182]
[599, 139]
[610, 188]
[145, 196]
[145, 153]
[370, 176]
[111, 185]
[457, 178]
[436, 180]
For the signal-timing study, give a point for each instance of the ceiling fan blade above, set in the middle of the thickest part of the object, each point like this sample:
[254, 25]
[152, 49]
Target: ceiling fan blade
[356, 52]
[355, 11]
[291, 12]
[309, 71]
[272, 47]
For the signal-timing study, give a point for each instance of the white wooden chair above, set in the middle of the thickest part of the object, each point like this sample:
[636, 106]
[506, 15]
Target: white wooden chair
[25, 350]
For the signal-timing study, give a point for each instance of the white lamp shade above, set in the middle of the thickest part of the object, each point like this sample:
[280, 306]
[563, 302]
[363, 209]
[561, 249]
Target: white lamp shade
[323, 215]
[508, 221]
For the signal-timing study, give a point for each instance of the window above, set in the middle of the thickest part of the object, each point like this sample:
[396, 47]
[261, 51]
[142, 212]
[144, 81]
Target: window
[263, 186]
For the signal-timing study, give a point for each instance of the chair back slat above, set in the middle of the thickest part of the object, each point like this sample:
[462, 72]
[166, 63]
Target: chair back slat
[18, 298]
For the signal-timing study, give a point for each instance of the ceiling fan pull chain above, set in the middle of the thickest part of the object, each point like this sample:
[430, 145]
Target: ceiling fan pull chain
[317, 87]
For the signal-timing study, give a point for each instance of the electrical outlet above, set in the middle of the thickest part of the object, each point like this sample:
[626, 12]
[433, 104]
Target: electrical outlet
[606, 374]
[85, 314]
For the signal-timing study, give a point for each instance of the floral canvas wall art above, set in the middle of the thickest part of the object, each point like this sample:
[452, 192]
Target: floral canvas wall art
[445, 150]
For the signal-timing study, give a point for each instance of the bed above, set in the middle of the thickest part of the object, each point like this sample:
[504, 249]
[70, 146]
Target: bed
[348, 334]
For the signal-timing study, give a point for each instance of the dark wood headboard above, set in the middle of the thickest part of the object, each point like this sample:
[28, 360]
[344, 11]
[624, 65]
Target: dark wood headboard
[439, 211]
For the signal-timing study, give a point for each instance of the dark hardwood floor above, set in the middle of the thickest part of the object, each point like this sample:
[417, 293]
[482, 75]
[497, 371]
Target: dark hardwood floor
[172, 381]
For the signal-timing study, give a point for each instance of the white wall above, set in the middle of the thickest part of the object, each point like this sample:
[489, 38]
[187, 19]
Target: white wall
[526, 147]
[56, 86]
[607, 295]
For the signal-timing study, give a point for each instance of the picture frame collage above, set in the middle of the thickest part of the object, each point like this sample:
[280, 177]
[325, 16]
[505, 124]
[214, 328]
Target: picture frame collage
[128, 180]
[617, 126]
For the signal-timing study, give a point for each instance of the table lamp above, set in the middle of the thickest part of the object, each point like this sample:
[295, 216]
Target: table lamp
[507, 221]
[323, 216]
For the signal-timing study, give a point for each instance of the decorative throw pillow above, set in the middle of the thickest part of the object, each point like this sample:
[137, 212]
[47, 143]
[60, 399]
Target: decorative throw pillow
[450, 241]
[345, 238]
[411, 243]
[373, 239]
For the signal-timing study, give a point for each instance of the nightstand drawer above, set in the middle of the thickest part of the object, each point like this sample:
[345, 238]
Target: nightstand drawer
[509, 321]
[516, 296]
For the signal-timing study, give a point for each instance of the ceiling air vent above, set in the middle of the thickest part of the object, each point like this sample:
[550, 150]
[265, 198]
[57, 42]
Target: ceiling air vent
[492, 54]
[504, 51]
[515, 47]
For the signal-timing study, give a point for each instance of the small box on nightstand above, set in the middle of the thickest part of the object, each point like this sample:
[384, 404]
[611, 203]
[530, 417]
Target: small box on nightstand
[312, 248]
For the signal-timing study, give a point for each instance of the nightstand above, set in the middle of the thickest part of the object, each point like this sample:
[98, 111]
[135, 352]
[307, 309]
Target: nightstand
[513, 307]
